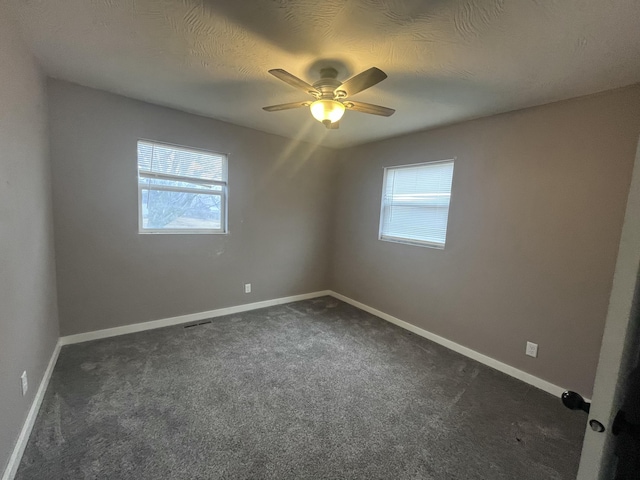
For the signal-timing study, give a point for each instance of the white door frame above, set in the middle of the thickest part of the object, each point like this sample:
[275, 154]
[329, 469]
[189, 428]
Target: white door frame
[616, 355]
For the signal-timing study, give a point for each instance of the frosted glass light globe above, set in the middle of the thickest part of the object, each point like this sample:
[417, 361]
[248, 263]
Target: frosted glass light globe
[323, 110]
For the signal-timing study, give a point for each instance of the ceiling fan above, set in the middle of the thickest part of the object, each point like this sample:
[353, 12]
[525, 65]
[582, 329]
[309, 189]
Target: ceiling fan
[331, 95]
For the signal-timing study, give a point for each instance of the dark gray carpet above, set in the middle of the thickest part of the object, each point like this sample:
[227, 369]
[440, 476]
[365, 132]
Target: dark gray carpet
[313, 389]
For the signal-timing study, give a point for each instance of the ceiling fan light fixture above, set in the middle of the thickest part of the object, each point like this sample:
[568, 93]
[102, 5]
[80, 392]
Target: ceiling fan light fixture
[330, 96]
[323, 110]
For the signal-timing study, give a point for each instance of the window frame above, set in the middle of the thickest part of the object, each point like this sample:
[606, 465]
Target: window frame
[223, 193]
[402, 240]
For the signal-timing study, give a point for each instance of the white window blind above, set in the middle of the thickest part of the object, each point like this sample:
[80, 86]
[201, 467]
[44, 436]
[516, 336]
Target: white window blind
[181, 190]
[415, 203]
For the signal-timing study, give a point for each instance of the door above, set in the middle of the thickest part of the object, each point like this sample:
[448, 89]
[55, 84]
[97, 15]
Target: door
[606, 456]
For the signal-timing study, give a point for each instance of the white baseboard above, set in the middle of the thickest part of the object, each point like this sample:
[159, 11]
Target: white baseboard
[195, 317]
[192, 317]
[21, 444]
[467, 352]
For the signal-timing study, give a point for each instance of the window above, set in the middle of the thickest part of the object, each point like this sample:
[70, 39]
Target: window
[415, 203]
[181, 190]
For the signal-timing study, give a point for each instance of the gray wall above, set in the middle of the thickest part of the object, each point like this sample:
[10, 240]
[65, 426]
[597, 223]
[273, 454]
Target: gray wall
[536, 214]
[109, 275]
[28, 318]
[537, 205]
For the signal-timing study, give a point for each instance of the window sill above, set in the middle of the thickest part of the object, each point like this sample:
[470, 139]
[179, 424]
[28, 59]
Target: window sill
[415, 243]
[181, 232]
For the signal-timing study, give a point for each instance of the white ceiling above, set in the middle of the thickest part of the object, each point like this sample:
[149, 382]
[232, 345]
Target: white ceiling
[447, 60]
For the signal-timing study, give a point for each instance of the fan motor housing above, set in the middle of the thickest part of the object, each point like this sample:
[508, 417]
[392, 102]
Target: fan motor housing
[328, 83]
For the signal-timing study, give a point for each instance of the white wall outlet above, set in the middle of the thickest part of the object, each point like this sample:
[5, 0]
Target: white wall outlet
[247, 288]
[532, 349]
[25, 383]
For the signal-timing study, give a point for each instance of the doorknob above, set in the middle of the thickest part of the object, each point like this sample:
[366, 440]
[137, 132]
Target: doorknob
[574, 401]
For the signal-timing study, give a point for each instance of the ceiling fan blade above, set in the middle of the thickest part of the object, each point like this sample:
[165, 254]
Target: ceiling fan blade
[286, 106]
[369, 108]
[294, 81]
[361, 82]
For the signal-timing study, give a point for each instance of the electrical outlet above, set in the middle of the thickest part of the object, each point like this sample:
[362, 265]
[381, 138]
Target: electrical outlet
[25, 383]
[247, 288]
[532, 349]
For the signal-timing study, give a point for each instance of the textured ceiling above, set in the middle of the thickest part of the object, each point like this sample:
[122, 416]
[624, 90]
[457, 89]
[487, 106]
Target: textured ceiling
[447, 60]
